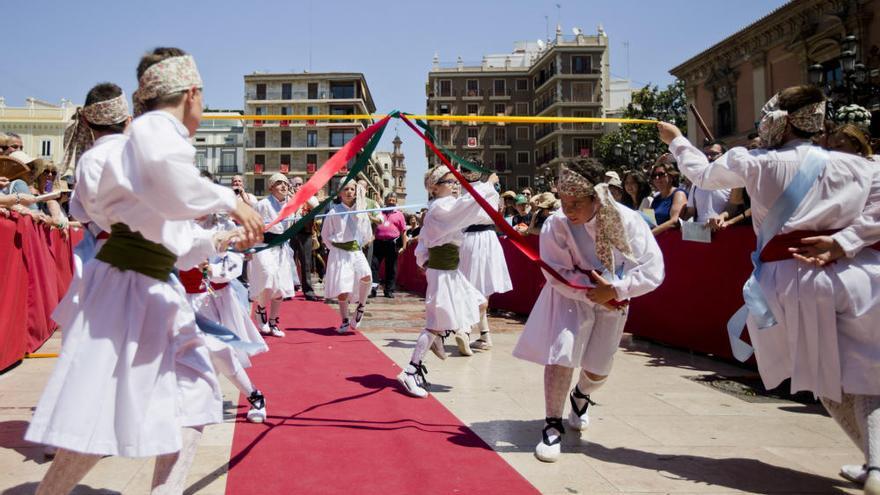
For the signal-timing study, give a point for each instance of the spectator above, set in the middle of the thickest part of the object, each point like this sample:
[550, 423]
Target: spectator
[523, 216]
[20, 185]
[508, 208]
[242, 195]
[614, 185]
[669, 201]
[754, 141]
[303, 242]
[848, 138]
[46, 181]
[392, 228]
[543, 205]
[637, 191]
[707, 206]
[8, 197]
[13, 143]
[527, 192]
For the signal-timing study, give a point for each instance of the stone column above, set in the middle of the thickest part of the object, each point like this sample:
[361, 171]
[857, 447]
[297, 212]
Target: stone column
[759, 86]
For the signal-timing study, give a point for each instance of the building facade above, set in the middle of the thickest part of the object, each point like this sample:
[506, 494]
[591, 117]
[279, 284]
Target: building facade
[730, 82]
[390, 171]
[296, 147]
[565, 77]
[41, 126]
[219, 145]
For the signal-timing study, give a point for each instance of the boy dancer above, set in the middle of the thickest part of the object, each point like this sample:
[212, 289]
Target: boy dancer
[451, 302]
[592, 241]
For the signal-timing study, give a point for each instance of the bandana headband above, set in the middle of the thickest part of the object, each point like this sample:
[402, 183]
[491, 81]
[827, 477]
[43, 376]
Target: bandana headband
[169, 76]
[809, 118]
[78, 138]
[434, 175]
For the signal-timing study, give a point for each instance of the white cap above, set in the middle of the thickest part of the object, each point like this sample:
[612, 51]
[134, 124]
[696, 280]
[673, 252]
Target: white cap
[278, 177]
[612, 179]
[21, 157]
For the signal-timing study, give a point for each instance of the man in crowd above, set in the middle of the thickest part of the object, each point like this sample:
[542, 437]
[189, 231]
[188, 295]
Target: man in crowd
[13, 143]
[302, 244]
[706, 206]
[523, 216]
[240, 194]
[385, 245]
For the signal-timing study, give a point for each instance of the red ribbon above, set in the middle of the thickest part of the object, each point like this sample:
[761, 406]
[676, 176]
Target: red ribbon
[514, 236]
[330, 168]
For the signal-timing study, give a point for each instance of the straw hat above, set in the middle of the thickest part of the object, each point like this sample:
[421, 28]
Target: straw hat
[508, 195]
[545, 200]
[12, 169]
[278, 177]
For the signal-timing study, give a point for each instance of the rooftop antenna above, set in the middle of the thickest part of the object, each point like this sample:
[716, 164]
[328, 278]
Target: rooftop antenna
[547, 27]
[310, 35]
[558, 15]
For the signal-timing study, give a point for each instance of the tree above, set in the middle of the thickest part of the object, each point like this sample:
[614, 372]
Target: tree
[637, 143]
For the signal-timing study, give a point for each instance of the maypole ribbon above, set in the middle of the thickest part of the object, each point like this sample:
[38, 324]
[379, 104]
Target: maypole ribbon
[515, 237]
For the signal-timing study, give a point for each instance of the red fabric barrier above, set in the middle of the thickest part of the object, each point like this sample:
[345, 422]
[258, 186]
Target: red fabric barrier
[37, 266]
[702, 289]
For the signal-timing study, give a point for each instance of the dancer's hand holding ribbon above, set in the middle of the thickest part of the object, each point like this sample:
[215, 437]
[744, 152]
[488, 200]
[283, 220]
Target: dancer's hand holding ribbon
[250, 221]
[222, 240]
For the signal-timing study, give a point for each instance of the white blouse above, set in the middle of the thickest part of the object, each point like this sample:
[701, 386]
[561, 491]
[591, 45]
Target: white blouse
[345, 228]
[447, 218]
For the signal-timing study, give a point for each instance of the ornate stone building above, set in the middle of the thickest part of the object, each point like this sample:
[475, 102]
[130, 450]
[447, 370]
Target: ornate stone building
[731, 81]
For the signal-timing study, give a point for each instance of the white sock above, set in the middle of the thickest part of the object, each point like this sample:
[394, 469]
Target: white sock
[169, 474]
[343, 309]
[363, 290]
[867, 408]
[484, 321]
[587, 386]
[423, 343]
[242, 381]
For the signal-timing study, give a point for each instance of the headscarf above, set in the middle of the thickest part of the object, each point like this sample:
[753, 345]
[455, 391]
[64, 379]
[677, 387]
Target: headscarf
[610, 233]
[433, 176]
[168, 76]
[809, 118]
[78, 137]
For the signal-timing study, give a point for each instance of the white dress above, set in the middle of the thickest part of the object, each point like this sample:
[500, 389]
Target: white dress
[345, 268]
[133, 368]
[828, 331]
[451, 302]
[482, 258]
[567, 329]
[272, 272]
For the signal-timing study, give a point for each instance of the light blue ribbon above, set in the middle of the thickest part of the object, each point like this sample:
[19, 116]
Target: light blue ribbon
[781, 212]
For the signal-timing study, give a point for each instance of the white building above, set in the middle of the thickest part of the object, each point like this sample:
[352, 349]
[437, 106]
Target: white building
[219, 145]
[621, 96]
[41, 126]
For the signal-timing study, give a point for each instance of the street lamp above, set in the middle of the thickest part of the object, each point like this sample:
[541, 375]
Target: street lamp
[816, 73]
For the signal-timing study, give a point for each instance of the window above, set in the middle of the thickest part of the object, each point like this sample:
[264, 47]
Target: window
[581, 64]
[500, 109]
[473, 87]
[502, 182]
[500, 136]
[227, 161]
[312, 158]
[500, 161]
[445, 87]
[582, 113]
[500, 87]
[286, 92]
[473, 137]
[444, 109]
[522, 108]
[285, 110]
[260, 159]
[338, 137]
[259, 186]
[285, 159]
[342, 90]
[202, 159]
[198, 140]
[285, 139]
[312, 139]
[261, 92]
[523, 181]
[582, 146]
[260, 139]
[311, 111]
[313, 91]
[387, 183]
[445, 136]
[522, 84]
[258, 110]
[522, 133]
[473, 109]
[522, 157]
[724, 120]
[582, 91]
[46, 149]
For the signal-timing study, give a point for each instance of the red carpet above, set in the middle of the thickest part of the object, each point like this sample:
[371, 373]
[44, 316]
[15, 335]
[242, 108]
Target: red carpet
[339, 423]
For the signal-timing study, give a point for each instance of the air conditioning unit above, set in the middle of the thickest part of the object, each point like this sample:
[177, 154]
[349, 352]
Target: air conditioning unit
[311, 167]
[471, 142]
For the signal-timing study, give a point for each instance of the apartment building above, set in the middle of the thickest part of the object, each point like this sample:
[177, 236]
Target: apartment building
[41, 126]
[296, 147]
[219, 145]
[566, 77]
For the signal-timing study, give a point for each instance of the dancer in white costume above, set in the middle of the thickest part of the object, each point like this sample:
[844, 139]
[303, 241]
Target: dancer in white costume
[348, 277]
[133, 372]
[483, 264]
[594, 241]
[451, 302]
[271, 272]
[826, 334]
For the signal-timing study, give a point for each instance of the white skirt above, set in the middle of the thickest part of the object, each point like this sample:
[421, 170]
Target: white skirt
[223, 307]
[272, 274]
[133, 368]
[483, 264]
[451, 302]
[828, 333]
[344, 271]
[565, 332]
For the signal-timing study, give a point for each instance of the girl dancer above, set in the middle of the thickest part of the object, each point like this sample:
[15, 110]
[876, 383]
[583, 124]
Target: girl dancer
[592, 241]
[451, 302]
[348, 272]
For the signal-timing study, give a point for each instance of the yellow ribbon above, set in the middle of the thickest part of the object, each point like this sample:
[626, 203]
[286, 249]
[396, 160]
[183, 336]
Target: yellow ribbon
[40, 355]
[449, 118]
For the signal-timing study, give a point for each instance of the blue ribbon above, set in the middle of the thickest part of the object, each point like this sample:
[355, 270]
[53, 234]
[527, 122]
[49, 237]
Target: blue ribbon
[781, 212]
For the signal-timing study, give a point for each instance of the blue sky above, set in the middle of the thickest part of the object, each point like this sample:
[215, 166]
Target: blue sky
[58, 49]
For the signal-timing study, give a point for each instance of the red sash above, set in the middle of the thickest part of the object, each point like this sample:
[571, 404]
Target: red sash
[192, 281]
[777, 248]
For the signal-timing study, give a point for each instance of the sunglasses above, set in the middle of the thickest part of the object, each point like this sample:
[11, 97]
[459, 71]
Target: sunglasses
[659, 175]
[451, 182]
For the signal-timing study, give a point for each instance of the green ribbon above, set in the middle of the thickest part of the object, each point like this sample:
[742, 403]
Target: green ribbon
[443, 257]
[473, 167]
[129, 250]
[347, 246]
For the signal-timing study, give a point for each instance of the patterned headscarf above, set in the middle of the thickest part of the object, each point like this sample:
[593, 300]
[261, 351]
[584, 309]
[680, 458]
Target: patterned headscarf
[610, 233]
[169, 76]
[809, 118]
[78, 137]
[433, 176]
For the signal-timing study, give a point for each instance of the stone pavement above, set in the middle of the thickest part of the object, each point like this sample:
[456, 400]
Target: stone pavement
[656, 428]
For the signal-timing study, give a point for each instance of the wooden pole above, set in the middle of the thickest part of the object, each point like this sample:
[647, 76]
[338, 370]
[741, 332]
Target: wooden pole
[701, 122]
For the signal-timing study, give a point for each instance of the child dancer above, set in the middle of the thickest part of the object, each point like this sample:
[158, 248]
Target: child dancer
[133, 377]
[271, 272]
[451, 302]
[817, 325]
[483, 265]
[593, 241]
[348, 272]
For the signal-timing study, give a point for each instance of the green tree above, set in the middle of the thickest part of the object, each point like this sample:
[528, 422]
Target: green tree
[642, 140]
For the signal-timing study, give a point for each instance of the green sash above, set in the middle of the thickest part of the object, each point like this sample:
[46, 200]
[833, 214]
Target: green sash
[443, 257]
[129, 250]
[347, 246]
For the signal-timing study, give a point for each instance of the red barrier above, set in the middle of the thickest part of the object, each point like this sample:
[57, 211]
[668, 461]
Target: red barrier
[702, 289]
[37, 265]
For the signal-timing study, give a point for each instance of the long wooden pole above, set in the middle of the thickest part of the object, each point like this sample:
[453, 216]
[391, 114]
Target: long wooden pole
[701, 122]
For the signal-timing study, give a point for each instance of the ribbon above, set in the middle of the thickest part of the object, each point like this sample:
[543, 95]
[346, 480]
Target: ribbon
[451, 118]
[781, 212]
[514, 236]
[473, 167]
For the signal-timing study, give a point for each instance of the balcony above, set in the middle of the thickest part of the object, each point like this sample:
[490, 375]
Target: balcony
[227, 169]
[500, 94]
[275, 96]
